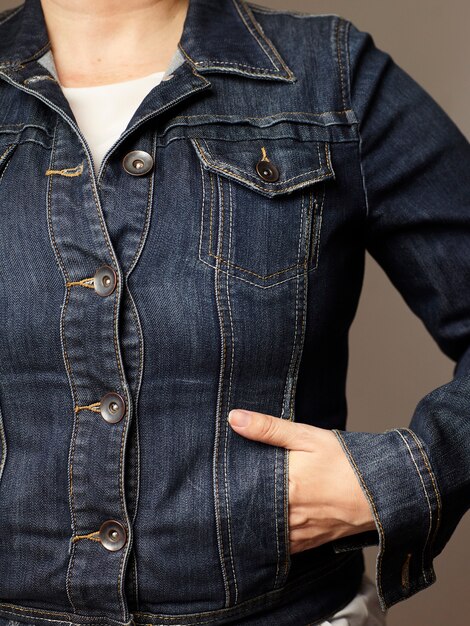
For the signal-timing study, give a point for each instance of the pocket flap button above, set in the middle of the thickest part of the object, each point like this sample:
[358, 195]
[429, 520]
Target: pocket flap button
[265, 169]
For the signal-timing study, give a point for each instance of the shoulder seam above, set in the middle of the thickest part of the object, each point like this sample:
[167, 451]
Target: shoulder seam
[258, 8]
[351, 106]
[339, 44]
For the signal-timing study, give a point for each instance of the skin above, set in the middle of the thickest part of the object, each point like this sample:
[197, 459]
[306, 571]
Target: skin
[97, 42]
[326, 501]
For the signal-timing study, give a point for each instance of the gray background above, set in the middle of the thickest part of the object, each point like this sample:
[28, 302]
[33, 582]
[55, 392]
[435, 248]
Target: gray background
[393, 360]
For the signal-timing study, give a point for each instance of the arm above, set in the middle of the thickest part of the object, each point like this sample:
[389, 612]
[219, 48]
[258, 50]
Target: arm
[416, 176]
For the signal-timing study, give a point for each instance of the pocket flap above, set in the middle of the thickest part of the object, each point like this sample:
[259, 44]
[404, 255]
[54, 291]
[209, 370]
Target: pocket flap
[298, 163]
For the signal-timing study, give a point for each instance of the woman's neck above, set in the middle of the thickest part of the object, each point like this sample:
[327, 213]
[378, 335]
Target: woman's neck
[96, 42]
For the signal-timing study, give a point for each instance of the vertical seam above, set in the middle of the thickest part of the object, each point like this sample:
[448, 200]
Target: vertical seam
[347, 47]
[427, 499]
[288, 409]
[434, 483]
[232, 350]
[135, 314]
[5, 167]
[338, 31]
[202, 211]
[374, 508]
[68, 368]
[3, 445]
[223, 358]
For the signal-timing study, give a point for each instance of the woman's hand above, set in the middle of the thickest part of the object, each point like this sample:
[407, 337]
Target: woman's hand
[326, 500]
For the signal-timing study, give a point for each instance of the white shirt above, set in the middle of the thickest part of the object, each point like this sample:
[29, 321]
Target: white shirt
[363, 610]
[102, 113]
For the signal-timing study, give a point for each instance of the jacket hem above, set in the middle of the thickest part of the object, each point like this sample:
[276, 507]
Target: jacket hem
[302, 600]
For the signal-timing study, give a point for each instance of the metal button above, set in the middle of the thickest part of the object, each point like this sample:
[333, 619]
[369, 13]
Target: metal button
[112, 407]
[113, 535]
[137, 162]
[267, 170]
[105, 280]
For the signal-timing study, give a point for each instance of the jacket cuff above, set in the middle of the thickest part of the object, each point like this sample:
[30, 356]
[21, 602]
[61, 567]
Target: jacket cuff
[395, 474]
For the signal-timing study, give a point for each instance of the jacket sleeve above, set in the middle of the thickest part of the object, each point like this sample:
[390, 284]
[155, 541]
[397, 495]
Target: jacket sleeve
[416, 176]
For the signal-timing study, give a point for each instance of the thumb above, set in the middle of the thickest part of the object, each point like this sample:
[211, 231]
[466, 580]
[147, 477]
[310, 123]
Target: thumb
[266, 428]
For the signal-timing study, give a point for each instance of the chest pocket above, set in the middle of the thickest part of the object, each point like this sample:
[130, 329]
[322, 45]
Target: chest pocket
[262, 206]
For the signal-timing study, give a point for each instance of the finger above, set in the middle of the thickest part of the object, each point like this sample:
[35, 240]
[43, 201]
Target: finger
[267, 428]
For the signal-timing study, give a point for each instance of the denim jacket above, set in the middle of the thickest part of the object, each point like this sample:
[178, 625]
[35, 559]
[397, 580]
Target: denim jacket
[215, 261]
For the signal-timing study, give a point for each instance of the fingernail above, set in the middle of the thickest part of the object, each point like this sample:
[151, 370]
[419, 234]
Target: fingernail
[239, 418]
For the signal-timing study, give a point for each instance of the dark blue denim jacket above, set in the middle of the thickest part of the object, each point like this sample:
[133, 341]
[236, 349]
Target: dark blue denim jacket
[137, 307]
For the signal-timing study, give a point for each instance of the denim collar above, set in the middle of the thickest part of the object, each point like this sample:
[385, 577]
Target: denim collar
[218, 36]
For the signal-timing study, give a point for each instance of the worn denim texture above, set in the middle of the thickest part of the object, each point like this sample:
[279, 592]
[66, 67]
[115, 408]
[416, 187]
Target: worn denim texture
[232, 291]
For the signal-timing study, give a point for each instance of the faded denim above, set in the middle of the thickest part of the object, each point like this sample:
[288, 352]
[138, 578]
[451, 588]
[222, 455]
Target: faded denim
[232, 291]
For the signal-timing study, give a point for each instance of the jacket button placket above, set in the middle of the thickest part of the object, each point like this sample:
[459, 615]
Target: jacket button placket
[100, 527]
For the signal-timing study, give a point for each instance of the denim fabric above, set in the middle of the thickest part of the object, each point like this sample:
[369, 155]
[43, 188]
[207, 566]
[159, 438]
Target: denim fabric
[232, 291]
[363, 610]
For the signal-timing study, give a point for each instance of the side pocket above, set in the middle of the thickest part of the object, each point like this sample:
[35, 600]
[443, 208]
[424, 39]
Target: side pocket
[282, 513]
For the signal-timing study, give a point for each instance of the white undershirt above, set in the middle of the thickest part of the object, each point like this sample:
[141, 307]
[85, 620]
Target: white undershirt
[102, 112]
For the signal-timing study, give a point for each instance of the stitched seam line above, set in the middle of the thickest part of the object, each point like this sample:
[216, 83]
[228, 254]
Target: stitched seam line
[318, 228]
[248, 281]
[427, 499]
[9, 149]
[340, 61]
[5, 167]
[290, 373]
[268, 41]
[223, 360]
[202, 230]
[246, 604]
[226, 427]
[253, 34]
[217, 257]
[433, 480]
[165, 618]
[263, 117]
[376, 515]
[258, 71]
[361, 166]
[247, 174]
[66, 362]
[214, 164]
[3, 445]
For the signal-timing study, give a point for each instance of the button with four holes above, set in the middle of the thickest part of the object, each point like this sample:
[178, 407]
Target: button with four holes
[105, 280]
[113, 535]
[112, 407]
[137, 162]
